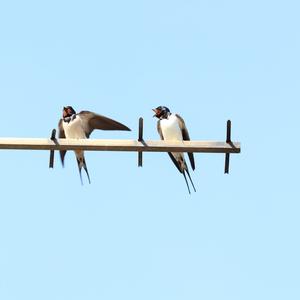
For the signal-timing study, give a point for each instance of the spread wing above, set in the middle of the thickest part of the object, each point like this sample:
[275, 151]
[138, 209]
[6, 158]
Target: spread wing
[186, 137]
[93, 121]
[61, 135]
[170, 154]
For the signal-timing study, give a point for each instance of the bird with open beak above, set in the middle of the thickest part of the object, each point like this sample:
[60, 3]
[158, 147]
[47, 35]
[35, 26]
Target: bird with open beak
[74, 125]
[171, 127]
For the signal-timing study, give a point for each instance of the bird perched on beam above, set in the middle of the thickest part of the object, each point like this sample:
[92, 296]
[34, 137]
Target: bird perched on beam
[80, 126]
[171, 127]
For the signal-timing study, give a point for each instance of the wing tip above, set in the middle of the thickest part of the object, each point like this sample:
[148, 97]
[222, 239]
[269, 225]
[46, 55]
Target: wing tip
[125, 128]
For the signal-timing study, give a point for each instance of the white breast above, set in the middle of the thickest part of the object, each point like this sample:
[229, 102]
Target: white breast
[74, 129]
[170, 129]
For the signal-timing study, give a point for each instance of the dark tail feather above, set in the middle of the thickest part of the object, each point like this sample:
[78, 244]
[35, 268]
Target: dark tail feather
[190, 179]
[86, 170]
[187, 184]
[79, 168]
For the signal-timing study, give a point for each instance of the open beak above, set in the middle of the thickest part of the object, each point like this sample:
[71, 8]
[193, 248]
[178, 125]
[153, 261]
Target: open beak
[65, 112]
[156, 112]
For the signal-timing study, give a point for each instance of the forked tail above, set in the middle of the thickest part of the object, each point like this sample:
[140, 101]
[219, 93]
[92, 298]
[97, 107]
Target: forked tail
[187, 171]
[82, 164]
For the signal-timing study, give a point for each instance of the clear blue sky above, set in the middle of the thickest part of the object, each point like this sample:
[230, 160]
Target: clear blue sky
[136, 233]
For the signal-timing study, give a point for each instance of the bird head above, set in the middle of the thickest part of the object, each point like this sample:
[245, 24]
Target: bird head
[68, 111]
[161, 112]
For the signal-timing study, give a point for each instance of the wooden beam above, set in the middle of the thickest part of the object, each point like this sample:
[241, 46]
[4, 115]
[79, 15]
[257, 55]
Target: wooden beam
[119, 145]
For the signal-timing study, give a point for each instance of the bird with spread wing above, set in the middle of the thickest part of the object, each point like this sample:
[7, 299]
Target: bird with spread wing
[74, 125]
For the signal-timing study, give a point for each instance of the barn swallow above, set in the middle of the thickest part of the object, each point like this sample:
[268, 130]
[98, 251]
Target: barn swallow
[171, 127]
[80, 126]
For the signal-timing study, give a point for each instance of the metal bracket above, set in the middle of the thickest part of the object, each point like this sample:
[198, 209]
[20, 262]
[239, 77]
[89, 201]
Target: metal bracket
[228, 140]
[140, 139]
[53, 138]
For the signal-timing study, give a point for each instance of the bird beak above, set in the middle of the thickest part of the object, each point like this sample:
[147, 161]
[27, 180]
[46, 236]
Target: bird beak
[155, 110]
[65, 113]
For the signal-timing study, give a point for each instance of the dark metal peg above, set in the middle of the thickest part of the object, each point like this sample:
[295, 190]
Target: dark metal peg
[51, 160]
[140, 139]
[228, 140]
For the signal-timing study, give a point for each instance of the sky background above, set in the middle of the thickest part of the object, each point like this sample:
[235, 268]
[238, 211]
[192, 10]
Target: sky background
[136, 233]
